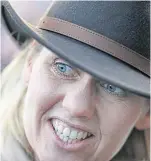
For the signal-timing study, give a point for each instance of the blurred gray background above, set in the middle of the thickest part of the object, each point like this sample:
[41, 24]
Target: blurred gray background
[31, 11]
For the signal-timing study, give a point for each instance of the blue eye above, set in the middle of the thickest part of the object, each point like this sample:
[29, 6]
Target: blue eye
[113, 89]
[64, 71]
[64, 68]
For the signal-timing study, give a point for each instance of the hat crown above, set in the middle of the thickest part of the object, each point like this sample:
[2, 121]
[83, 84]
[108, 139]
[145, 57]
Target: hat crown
[127, 22]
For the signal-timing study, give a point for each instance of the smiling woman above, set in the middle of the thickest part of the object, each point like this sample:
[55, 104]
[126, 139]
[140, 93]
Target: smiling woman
[57, 107]
[45, 112]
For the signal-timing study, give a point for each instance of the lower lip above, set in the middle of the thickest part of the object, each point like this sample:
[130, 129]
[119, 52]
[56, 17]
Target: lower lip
[70, 147]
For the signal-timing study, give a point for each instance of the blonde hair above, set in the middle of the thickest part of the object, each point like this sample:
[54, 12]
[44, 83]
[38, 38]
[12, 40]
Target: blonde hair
[13, 91]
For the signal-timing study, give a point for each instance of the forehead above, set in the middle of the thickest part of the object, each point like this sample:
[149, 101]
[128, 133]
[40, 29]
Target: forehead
[47, 54]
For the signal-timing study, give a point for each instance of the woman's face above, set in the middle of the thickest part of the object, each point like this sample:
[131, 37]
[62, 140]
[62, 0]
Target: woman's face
[70, 115]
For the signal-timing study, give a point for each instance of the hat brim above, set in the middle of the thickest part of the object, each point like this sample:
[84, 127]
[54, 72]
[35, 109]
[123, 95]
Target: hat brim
[91, 60]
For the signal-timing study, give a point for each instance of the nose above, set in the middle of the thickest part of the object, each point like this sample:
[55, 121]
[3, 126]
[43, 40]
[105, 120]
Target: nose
[79, 100]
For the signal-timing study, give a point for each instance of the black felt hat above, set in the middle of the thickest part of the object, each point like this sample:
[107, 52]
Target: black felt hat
[108, 39]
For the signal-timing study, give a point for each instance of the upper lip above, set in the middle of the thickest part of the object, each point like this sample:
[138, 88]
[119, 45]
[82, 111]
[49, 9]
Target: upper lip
[83, 128]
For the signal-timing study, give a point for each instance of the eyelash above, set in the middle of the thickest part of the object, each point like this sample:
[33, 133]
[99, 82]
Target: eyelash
[120, 93]
[62, 75]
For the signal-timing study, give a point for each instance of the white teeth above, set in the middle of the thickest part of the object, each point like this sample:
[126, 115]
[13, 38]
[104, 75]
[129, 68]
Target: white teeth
[66, 132]
[80, 135]
[56, 123]
[61, 136]
[73, 134]
[85, 135]
[65, 139]
[60, 128]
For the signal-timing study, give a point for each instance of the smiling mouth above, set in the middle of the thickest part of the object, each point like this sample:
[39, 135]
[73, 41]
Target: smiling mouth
[68, 134]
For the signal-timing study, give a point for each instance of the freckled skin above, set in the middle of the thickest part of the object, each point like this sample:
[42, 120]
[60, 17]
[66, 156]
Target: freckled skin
[111, 118]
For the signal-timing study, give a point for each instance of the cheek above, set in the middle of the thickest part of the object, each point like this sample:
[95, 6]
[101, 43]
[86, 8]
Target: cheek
[120, 116]
[42, 87]
[117, 119]
[42, 94]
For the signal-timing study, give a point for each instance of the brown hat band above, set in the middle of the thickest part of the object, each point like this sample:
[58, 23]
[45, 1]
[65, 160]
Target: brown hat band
[96, 40]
